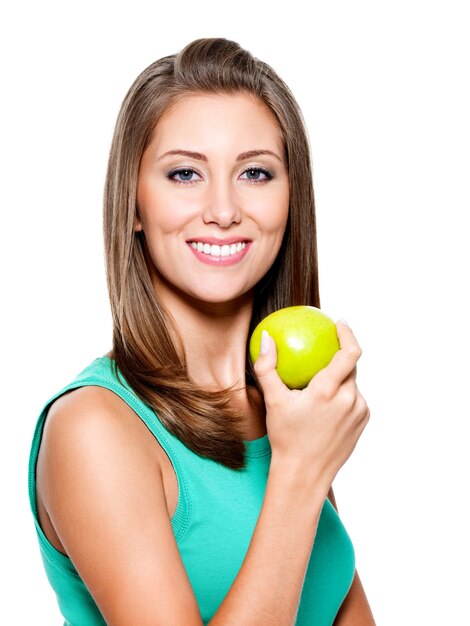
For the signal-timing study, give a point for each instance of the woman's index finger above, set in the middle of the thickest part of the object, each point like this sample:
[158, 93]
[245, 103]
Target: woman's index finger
[345, 359]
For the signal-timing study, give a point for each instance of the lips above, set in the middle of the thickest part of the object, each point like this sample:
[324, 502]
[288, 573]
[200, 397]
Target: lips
[213, 250]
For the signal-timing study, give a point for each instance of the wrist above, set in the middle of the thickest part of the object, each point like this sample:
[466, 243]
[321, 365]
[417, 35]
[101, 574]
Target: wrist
[292, 476]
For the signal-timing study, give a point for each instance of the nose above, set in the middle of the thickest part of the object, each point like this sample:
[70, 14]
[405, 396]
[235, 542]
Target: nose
[221, 205]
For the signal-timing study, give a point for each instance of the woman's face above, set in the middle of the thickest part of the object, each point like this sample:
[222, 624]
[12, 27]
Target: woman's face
[213, 214]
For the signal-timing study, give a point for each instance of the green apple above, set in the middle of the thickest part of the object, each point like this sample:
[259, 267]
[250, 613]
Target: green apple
[305, 339]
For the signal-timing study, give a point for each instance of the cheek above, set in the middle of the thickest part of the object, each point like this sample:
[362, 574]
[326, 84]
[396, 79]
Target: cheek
[272, 214]
[164, 220]
[160, 211]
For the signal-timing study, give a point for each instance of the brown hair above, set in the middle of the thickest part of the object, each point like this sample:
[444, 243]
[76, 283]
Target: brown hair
[143, 348]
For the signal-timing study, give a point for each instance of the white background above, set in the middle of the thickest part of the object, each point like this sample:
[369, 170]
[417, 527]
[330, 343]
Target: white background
[384, 89]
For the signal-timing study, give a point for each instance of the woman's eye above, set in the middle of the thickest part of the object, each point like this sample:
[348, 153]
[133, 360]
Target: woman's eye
[254, 174]
[184, 174]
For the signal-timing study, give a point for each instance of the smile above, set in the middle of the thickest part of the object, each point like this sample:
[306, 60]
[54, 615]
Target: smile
[214, 254]
[215, 250]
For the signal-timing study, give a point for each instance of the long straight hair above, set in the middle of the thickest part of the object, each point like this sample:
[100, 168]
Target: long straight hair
[144, 335]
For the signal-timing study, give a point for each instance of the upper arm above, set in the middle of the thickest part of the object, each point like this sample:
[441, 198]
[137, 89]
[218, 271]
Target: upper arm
[331, 497]
[355, 609]
[103, 490]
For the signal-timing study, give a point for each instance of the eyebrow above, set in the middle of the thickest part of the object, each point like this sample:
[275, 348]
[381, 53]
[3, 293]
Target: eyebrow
[202, 157]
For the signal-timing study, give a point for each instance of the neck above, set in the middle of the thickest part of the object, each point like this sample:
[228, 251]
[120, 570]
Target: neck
[214, 337]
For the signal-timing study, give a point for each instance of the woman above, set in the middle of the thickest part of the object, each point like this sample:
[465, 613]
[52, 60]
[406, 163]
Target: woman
[175, 482]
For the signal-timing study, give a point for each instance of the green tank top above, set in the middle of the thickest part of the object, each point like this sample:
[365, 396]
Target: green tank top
[215, 517]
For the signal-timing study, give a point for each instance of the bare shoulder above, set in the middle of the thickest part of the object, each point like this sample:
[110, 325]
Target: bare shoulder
[89, 427]
[94, 416]
[79, 406]
[76, 407]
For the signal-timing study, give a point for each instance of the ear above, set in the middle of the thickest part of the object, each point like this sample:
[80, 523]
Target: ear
[137, 222]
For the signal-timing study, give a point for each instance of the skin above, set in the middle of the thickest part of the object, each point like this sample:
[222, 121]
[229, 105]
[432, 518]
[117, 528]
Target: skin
[212, 309]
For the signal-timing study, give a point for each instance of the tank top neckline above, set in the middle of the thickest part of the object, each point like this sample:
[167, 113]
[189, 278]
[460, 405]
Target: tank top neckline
[257, 447]
[253, 447]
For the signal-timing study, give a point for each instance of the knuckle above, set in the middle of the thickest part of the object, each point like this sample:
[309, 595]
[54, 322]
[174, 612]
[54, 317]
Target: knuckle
[365, 421]
[361, 406]
[347, 397]
[363, 415]
[325, 389]
[260, 367]
[354, 350]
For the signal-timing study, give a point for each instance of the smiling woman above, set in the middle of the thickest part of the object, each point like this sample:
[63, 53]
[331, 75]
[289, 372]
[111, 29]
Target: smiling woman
[174, 480]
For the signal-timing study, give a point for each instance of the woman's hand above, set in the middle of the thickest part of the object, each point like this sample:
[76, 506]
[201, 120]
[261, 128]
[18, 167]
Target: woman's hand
[315, 429]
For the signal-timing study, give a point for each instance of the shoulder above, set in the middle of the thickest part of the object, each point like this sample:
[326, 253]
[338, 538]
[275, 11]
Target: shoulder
[92, 427]
[85, 400]
[94, 416]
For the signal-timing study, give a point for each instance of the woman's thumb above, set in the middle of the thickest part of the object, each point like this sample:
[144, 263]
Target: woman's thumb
[265, 364]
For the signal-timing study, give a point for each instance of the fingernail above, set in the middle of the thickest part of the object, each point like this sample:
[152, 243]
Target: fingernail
[341, 319]
[264, 346]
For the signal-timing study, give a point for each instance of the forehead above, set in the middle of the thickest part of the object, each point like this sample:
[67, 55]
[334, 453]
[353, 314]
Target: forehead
[226, 119]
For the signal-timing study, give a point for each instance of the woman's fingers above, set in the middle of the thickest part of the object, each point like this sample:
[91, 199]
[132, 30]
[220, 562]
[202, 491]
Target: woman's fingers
[340, 370]
[343, 363]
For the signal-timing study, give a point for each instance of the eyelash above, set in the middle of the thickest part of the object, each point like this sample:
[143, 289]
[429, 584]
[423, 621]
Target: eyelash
[266, 172]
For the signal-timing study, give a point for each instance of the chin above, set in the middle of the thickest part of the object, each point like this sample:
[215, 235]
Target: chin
[200, 291]
[219, 296]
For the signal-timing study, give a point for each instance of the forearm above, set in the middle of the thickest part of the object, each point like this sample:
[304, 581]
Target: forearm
[267, 589]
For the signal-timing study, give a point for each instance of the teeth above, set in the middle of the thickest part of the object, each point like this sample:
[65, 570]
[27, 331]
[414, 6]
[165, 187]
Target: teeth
[215, 250]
